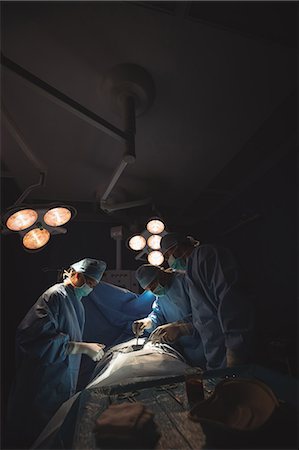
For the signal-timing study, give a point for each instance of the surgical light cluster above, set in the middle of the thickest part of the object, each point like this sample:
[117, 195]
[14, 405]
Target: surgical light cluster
[36, 225]
[149, 241]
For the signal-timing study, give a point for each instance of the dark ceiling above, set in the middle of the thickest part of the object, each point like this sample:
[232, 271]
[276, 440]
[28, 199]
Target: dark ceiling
[224, 76]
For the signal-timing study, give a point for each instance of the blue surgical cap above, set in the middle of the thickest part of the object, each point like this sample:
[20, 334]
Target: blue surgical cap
[170, 240]
[92, 268]
[147, 273]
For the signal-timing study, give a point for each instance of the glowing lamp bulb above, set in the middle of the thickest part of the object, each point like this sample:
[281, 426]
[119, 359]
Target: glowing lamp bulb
[155, 258]
[57, 216]
[36, 238]
[21, 220]
[137, 242]
[154, 242]
[155, 226]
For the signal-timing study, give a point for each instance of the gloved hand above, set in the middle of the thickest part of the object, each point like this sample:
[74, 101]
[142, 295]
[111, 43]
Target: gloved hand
[234, 358]
[170, 332]
[93, 350]
[139, 326]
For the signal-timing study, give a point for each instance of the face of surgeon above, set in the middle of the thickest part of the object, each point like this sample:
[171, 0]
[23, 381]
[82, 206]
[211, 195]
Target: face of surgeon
[83, 285]
[79, 279]
[159, 286]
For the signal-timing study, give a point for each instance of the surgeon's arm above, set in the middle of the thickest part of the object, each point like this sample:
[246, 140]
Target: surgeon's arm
[235, 312]
[171, 332]
[38, 335]
[157, 317]
[154, 319]
[140, 325]
[236, 318]
[216, 270]
[93, 350]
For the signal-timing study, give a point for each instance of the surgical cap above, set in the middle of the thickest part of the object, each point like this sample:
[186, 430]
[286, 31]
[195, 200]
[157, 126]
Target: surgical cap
[170, 240]
[92, 268]
[147, 273]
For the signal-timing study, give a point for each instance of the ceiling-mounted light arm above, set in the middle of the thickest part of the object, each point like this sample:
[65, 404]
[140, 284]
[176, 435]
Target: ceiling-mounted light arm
[129, 156]
[119, 170]
[125, 205]
[132, 90]
[41, 183]
[17, 136]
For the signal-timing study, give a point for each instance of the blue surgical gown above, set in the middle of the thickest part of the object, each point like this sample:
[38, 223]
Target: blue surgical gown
[221, 312]
[174, 306]
[46, 373]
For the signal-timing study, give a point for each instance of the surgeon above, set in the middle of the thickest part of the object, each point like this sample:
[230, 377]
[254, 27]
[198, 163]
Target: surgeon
[170, 320]
[48, 352]
[221, 312]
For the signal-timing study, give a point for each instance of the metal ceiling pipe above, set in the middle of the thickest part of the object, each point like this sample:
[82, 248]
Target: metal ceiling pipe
[125, 205]
[63, 100]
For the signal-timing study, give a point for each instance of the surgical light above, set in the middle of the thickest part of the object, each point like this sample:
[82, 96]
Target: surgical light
[155, 226]
[36, 238]
[56, 217]
[36, 223]
[137, 242]
[22, 219]
[154, 241]
[155, 258]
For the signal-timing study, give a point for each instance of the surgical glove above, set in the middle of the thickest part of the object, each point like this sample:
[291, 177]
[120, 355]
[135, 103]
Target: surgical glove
[170, 332]
[139, 326]
[234, 358]
[93, 350]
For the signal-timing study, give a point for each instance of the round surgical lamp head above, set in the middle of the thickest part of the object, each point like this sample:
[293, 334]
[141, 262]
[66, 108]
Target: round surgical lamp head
[155, 258]
[155, 226]
[21, 219]
[36, 238]
[137, 242]
[154, 241]
[58, 216]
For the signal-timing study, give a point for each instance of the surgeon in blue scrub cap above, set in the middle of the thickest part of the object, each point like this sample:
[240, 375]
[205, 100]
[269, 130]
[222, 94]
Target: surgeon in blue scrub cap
[170, 320]
[48, 352]
[221, 311]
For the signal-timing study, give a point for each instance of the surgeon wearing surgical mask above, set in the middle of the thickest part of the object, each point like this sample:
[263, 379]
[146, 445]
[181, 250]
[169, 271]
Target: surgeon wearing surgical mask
[178, 254]
[221, 310]
[48, 352]
[170, 320]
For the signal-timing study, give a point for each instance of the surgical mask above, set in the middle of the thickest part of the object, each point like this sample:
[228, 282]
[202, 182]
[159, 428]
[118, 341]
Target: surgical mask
[177, 263]
[82, 291]
[160, 290]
